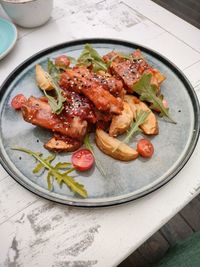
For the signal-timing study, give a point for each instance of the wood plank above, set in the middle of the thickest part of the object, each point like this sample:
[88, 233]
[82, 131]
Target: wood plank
[191, 214]
[3, 173]
[176, 229]
[126, 23]
[197, 90]
[183, 9]
[175, 50]
[48, 234]
[148, 253]
[168, 21]
[155, 248]
[135, 260]
[198, 196]
[14, 198]
[192, 73]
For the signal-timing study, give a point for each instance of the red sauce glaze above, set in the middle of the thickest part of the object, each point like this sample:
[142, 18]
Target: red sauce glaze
[39, 113]
[110, 83]
[80, 80]
[129, 71]
[78, 105]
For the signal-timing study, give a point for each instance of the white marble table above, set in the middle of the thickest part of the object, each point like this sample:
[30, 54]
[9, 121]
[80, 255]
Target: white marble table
[37, 232]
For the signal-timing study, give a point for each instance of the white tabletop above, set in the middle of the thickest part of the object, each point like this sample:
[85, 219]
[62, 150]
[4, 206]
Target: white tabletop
[37, 232]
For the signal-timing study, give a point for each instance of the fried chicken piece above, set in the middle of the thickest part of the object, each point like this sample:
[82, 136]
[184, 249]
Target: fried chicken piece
[60, 143]
[80, 80]
[113, 57]
[110, 83]
[131, 70]
[38, 112]
[80, 106]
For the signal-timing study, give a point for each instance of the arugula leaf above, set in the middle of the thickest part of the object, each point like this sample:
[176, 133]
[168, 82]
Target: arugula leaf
[90, 57]
[53, 70]
[141, 117]
[63, 165]
[147, 92]
[56, 104]
[49, 181]
[54, 171]
[89, 146]
[38, 168]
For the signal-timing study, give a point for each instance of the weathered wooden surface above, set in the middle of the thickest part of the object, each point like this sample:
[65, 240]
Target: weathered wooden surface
[35, 232]
[178, 228]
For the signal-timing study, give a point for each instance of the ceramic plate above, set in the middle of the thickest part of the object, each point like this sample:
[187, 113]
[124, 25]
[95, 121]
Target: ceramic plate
[124, 181]
[8, 37]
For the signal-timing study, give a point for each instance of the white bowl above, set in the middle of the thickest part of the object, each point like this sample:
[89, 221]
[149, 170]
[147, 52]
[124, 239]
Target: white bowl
[28, 13]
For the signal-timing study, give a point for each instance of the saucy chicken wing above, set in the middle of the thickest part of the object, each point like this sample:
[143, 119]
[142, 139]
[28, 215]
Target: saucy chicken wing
[80, 80]
[38, 112]
[131, 70]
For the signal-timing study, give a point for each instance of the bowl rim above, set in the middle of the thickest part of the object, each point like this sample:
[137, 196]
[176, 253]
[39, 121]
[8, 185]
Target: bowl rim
[17, 2]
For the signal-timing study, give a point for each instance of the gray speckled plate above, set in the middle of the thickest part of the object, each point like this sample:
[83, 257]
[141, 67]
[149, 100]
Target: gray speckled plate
[125, 181]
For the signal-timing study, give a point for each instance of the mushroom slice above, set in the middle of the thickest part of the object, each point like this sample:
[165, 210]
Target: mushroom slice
[113, 147]
[121, 123]
[150, 126]
[41, 79]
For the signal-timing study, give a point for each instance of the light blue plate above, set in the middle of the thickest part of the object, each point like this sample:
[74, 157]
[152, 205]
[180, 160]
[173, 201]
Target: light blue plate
[124, 181]
[8, 37]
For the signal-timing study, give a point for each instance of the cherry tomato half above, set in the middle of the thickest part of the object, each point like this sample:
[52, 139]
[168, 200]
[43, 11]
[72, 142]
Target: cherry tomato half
[82, 160]
[18, 101]
[145, 148]
[62, 61]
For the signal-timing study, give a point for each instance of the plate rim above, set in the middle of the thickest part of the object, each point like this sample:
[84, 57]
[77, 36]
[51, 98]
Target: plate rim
[172, 66]
[10, 47]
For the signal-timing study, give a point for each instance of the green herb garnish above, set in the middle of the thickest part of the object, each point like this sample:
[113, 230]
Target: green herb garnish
[56, 103]
[55, 171]
[89, 146]
[141, 117]
[53, 70]
[90, 57]
[148, 92]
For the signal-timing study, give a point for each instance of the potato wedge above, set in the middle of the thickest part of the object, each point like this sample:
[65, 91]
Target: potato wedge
[108, 145]
[150, 126]
[59, 145]
[157, 77]
[120, 123]
[41, 79]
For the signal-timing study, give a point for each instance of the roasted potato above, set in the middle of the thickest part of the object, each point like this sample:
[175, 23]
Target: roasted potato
[150, 126]
[113, 147]
[157, 77]
[59, 145]
[121, 123]
[42, 80]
